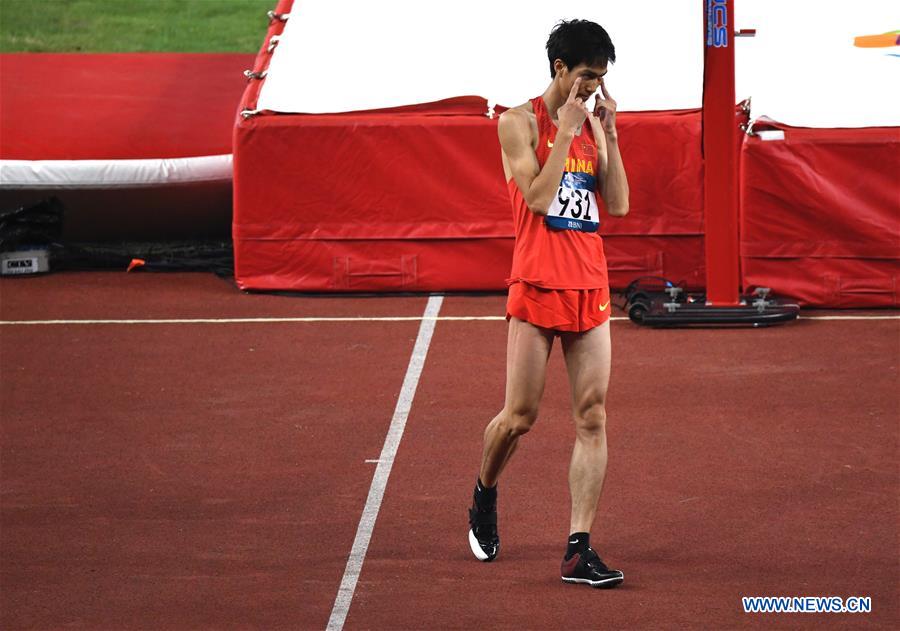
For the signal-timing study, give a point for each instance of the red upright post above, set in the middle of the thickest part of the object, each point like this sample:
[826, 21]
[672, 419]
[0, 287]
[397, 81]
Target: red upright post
[720, 159]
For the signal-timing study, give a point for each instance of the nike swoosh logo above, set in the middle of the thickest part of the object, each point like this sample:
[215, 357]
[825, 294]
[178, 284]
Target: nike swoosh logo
[549, 144]
[603, 307]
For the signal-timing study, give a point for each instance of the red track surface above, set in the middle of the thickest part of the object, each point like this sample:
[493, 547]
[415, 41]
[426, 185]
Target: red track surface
[168, 476]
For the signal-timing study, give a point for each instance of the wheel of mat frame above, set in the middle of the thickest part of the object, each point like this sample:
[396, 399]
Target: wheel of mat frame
[637, 310]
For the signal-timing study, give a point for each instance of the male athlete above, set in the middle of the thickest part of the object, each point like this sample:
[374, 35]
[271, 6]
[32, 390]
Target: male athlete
[558, 157]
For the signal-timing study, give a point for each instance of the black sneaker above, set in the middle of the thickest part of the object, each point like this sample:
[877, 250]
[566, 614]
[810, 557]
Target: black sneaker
[483, 538]
[589, 569]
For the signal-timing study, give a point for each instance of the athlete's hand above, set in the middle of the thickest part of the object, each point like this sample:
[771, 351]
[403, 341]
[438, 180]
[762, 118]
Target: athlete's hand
[573, 112]
[604, 110]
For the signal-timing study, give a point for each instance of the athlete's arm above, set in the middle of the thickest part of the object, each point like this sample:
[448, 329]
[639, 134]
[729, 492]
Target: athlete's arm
[612, 182]
[539, 186]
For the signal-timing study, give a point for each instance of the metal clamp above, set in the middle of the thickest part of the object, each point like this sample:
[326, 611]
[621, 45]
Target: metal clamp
[273, 42]
[245, 114]
[761, 303]
[672, 307]
[281, 17]
[746, 106]
[255, 75]
[674, 292]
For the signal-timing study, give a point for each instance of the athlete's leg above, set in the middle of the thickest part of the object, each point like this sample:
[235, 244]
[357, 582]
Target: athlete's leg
[588, 363]
[587, 360]
[527, 350]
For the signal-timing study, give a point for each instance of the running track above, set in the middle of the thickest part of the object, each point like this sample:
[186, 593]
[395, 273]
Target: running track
[215, 474]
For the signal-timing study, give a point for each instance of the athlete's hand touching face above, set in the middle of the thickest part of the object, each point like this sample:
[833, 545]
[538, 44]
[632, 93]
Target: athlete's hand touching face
[573, 112]
[604, 110]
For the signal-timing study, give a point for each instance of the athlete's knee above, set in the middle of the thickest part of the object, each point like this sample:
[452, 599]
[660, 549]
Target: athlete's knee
[590, 418]
[518, 420]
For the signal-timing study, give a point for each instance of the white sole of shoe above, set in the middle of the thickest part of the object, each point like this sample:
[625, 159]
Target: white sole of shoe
[476, 547]
[606, 582]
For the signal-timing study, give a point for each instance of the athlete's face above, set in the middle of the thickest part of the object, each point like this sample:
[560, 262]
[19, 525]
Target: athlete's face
[590, 78]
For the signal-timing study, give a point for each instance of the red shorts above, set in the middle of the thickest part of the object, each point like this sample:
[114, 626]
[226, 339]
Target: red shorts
[575, 310]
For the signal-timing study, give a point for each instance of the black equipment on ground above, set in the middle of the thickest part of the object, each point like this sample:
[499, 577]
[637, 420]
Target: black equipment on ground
[31, 242]
[658, 302]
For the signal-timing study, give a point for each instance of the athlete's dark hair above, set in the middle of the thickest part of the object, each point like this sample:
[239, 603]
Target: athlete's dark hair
[579, 42]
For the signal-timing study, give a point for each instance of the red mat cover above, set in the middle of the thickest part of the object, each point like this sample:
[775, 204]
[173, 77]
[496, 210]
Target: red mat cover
[820, 214]
[59, 106]
[416, 201]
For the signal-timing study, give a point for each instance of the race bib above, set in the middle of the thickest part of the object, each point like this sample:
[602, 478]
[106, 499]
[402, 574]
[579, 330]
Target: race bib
[575, 204]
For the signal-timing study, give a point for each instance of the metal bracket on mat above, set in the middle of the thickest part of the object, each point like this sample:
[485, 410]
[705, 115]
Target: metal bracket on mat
[245, 114]
[747, 127]
[761, 293]
[672, 307]
[273, 42]
[255, 75]
[281, 17]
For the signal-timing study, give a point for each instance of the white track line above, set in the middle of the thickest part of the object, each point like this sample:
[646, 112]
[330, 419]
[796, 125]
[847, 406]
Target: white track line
[357, 319]
[385, 462]
[872, 317]
[256, 320]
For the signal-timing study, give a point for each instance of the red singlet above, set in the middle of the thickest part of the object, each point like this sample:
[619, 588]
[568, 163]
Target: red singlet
[559, 277]
[563, 249]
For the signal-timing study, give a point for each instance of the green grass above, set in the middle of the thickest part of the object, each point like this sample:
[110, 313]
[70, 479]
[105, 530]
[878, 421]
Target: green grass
[106, 26]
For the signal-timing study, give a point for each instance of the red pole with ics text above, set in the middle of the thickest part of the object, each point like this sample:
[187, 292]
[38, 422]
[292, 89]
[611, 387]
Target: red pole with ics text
[720, 195]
